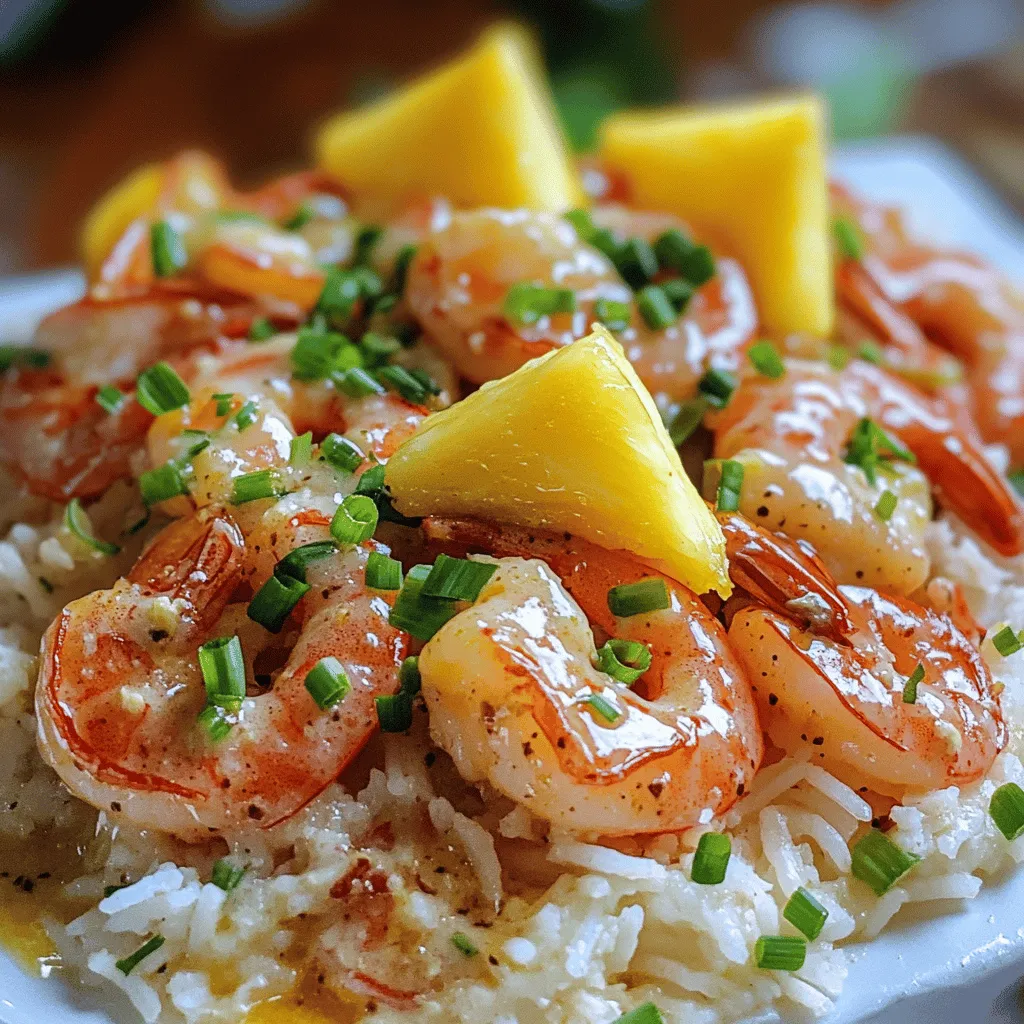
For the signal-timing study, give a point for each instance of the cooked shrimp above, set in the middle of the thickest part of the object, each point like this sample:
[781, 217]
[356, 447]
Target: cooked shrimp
[509, 684]
[956, 301]
[844, 704]
[790, 435]
[462, 274]
[120, 690]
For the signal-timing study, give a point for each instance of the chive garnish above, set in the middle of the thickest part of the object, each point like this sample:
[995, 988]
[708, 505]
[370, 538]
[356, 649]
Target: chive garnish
[711, 858]
[327, 683]
[647, 595]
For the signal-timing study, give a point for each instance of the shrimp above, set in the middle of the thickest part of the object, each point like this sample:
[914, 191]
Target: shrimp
[463, 271]
[120, 691]
[844, 703]
[515, 699]
[790, 436]
[920, 300]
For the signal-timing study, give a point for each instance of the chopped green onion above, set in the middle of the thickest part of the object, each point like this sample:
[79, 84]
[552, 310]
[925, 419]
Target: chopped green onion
[780, 952]
[318, 355]
[226, 875]
[261, 329]
[526, 302]
[1016, 479]
[303, 214]
[848, 240]
[402, 381]
[837, 357]
[614, 315]
[428, 382]
[581, 221]
[344, 288]
[879, 862]
[886, 505]
[300, 449]
[341, 453]
[367, 238]
[711, 859]
[357, 383]
[717, 386]
[648, 595]
[378, 349]
[910, 686]
[730, 484]
[110, 399]
[457, 579]
[77, 522]
[677, 252]
[223, 400]
[382, 572]
[766, 360]
[636, 262]
[688, 419]
[655, 307]
[167, 249]
[162, 483]
[371, 482]
[409, 676]
[624, 660]
[275, 600]
[805, 913]
[327, 683]
[355, 520]
[678, 292]
[1007, 810]
[129, 963]
[217, 722]
[394, 712]
[245, 417]
[645, 1013]
[608, 711]
[159, 389]
[223, 669]
[13, 355]
[405, 256]
[262, 483]
[298, 560]
[871, 352]
[1007, 642]
[870, 445]
[416, 613]
[461, 942]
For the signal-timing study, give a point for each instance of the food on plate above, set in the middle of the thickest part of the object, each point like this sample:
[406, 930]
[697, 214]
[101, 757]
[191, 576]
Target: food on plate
[454, 584]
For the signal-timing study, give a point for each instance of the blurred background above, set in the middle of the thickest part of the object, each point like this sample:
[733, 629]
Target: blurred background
[89, 89]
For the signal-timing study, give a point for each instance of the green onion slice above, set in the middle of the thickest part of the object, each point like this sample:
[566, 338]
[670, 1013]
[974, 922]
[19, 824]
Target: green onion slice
[526, 302]
[394, 712]
[369, 235]
[461, 942]
[245, 417]
[110, 399]
[645, 1013]
[677, 252]
[223, 669]
[300, 450]
[20, 355]
[327, 683]
[378, 349]
[355, 519]
[717, 386]
[303, 214]
[416, 613]
[688, 419]
[871, 352]
[648, 595]
[624, 660]
[711, 859]
[766, 360]
[678, 292]
[76, 519]
[805, 913]
[319, 355]
[870, 446]
[162, 483]
[603, 707]
[223, 400]
[261, 329]
[636, 262]
[405, 256]
[457, 579]
[217, 721]
[780, 952]
[341, 453]
[1007, 810]
[357, 383]
[129, 963]
[1016, 479]
[383, 572]
[655, 307]
[255, 486]
[886, 505]
[910, 686]
[167, 249]
[299, 559]
[409, 676]
[399, 379]
[730, 485]
[614, 315]
[1007, 642]
[275, 600]
[226, 875]
[159, 389]
[848, 239]
[879, 862]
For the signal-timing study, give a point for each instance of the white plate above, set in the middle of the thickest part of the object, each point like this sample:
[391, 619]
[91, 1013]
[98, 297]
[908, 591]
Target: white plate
[945, 970]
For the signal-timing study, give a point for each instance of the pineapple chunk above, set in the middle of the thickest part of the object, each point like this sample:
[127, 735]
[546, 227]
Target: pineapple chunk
[570, 441]
[133, 197]
[753, 173]
[480, 131]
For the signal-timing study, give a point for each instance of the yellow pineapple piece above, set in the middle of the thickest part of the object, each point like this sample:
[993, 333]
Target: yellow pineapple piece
[110, 216]
[570, 441]
[481, 131]
[753, 173]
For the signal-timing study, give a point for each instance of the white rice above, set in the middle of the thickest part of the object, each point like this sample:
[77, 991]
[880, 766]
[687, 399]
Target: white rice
[565, 931]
